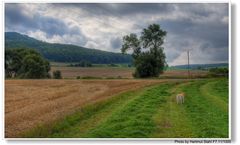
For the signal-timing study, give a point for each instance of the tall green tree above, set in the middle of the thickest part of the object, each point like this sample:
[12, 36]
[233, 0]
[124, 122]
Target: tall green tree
[12, 63]
[147, 51]
[25, 63]
[34, 66]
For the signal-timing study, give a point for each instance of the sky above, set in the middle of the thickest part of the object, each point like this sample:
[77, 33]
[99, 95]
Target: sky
[201, 28]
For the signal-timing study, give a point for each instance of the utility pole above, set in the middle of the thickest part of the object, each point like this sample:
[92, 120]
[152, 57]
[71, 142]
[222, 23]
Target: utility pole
[188, 64]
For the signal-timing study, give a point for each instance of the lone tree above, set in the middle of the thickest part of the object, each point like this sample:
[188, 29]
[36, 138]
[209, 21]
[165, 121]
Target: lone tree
[148, 55]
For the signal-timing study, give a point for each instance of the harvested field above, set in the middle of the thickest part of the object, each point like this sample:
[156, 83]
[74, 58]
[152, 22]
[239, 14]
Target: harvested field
[184, 73]
[104, 72]
[32, 102]
[73, 72]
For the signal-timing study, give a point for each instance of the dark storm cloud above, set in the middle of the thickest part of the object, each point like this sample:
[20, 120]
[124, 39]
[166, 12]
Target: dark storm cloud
[217, 34]
[120, 9]
[116, 43]
[202, 27]
[15, 18]
[213, 36]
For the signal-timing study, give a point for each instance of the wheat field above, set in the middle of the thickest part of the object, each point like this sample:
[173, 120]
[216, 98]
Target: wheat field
[32, 102]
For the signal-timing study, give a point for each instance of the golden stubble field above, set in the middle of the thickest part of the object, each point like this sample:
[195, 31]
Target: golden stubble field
[104, 72]
[29, 103]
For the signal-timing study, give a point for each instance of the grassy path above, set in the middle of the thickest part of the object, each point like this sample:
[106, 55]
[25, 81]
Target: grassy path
[135, 119]
[151, 112]
[172, 120]
[208, 117]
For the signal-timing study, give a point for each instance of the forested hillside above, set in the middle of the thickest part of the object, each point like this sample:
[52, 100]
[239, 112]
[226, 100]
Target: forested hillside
[202, 66]
[63, 52]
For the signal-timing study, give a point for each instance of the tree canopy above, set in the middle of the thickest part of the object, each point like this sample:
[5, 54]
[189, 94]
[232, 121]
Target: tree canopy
[25, 63]
[147, 51]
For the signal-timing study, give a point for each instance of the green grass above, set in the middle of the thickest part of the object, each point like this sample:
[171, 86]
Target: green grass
[134, 119]
[150, 113]
[203, 115]
[209, 118]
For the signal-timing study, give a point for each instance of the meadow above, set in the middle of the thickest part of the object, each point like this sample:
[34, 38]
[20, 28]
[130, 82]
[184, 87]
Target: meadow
[124, 109]
[106, 102]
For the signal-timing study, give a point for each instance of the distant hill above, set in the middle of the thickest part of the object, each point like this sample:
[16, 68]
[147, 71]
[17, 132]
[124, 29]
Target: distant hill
[64, 52]
[200, 66]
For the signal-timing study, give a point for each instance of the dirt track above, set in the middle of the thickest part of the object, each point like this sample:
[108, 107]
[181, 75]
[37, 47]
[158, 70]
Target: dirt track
[31, 102]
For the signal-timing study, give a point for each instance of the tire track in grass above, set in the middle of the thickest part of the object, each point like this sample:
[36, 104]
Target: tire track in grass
[220, 102]
[208, 119]
[134, 120]
[172, 120]
[200, 116]
[220, 87]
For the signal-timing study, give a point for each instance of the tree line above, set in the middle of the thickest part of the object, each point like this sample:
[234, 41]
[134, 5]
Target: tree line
[82, 63]
[219, 72]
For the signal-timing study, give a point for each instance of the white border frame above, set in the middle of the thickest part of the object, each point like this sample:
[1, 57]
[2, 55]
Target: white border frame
[122, 139]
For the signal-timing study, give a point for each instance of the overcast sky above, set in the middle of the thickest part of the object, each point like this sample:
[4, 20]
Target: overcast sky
[203, 28]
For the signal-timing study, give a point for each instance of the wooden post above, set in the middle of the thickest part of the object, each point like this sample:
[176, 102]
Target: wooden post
[188, 65]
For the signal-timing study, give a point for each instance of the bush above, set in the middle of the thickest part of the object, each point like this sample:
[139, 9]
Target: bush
[57, 74]
[218, 72]
[78, 77]
[110, 78]
[82, 64]
[91, 77]
[113, 65]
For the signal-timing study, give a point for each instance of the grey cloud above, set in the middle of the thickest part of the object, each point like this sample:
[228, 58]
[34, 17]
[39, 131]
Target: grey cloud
[52, 26]
[116, 43]
[120, 9]
[189, 25]
[14, 16]
[212, 35]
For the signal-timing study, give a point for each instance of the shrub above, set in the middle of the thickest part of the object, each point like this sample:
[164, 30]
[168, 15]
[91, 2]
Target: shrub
[218, 72]
[91, 77]
[57, 74]
[82, 64]
[113, 65]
